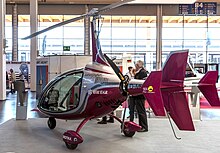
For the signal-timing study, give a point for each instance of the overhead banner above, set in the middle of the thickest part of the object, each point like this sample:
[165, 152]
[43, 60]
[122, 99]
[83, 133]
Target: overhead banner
[203, 8]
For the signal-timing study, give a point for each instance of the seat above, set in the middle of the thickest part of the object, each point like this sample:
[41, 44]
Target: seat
[53, 97]
[74, 97]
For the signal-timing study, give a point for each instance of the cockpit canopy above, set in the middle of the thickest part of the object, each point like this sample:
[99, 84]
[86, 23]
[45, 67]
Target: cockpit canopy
[62, 93]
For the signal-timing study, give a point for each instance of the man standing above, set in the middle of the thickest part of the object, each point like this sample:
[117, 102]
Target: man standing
[12, 79]
[139, 101]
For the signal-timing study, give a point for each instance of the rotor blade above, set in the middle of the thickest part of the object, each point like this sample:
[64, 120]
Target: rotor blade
[114, 5]
[115, 68]
[91, 13]
[55, 26]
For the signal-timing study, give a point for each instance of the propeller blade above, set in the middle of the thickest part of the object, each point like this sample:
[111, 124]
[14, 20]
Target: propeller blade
[55, 26]
[115, 68]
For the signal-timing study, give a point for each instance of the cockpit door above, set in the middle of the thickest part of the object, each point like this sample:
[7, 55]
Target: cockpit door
[62, 93]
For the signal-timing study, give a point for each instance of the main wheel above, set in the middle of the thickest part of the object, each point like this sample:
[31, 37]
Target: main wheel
[128, 133]
[71, 146]
[51, 122]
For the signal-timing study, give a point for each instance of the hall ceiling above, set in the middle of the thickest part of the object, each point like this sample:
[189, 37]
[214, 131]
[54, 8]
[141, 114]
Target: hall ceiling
[115, 19]
[83, 1]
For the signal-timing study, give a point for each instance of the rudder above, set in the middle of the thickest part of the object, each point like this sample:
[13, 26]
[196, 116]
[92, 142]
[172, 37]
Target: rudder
[151, 91]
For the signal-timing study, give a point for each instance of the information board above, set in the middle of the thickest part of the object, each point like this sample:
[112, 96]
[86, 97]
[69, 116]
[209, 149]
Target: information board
[203, 8]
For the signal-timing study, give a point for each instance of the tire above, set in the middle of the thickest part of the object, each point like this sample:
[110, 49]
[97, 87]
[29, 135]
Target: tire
[128, 133]
[71, 146]
[51, 123]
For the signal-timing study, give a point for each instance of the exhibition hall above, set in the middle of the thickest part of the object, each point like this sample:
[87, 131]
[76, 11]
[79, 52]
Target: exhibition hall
[104, 76]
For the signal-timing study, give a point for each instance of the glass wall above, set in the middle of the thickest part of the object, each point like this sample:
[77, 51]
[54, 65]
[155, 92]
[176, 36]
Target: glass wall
[129, 36]
[132, 36]
[71, 35]
[196, 33]
[8, 36]
[23, 31]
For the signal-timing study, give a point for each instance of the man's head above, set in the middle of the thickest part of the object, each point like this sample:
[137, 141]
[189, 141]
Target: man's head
[130, 68]
[139, 64]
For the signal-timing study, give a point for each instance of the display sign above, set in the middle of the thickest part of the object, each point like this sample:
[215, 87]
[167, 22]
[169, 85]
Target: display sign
[66, 48]
[205, 8]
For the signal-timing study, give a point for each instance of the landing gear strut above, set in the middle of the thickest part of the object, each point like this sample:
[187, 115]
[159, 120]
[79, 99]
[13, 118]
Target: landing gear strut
[127, 127]
[72, 138]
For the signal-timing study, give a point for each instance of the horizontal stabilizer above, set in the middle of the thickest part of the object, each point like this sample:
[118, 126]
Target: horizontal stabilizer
[176, 105]
[151, 91]
[207, 85]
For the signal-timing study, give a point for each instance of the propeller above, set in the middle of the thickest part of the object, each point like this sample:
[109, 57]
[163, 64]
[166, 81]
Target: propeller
[124, 78]
[123, 86]
[92, 12]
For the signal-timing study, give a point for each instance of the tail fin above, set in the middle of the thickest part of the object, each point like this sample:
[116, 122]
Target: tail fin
[97, 55]
[174, 97]
[174, 68]
[151, 91]
[208, 88]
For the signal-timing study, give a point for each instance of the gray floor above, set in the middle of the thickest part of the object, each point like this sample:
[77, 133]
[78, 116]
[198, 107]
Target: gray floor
[33, 135]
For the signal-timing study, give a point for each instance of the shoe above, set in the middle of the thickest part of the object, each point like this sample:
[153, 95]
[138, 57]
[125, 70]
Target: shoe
[143, 130]
[102, 122]
[110, 121]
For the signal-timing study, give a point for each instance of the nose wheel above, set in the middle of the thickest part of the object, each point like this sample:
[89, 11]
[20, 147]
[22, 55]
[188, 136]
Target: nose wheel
[71, 146]
[51, 123]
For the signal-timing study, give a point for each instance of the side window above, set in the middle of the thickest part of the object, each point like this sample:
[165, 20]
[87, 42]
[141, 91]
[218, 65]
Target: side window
[63, 94]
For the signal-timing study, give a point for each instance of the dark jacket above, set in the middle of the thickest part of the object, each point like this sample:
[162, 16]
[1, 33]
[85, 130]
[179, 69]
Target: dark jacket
[142, 74]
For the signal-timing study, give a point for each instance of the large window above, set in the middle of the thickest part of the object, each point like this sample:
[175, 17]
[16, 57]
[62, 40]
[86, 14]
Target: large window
[130, 36]
[196, 33]
[134, 36]
[53, 41]
[8, 36]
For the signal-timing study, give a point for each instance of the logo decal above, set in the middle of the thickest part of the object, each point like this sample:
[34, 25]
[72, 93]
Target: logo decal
[67, 138]
[98, 92]
[150, 88]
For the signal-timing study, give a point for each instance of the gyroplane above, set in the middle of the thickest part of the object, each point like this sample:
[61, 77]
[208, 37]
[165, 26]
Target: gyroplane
[100, 88]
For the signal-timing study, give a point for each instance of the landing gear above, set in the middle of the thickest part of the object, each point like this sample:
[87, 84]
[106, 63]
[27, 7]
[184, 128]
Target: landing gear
[72, 138]
[51, 123]
[71, 146]
[129, 128]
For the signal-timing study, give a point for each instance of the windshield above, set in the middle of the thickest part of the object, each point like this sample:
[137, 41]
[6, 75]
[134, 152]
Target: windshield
[63, 94]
